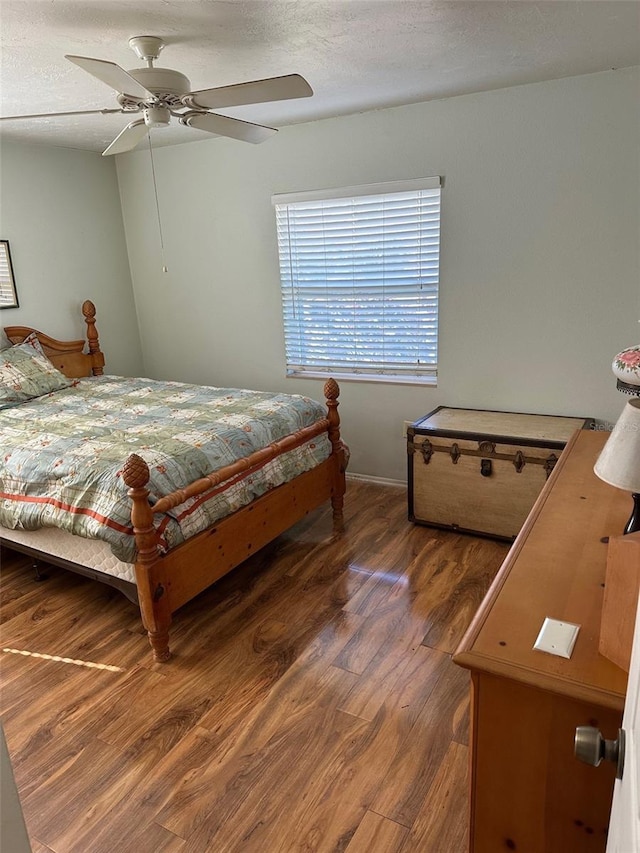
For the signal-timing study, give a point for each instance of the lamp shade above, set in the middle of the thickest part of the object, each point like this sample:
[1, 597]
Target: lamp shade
[619, 462]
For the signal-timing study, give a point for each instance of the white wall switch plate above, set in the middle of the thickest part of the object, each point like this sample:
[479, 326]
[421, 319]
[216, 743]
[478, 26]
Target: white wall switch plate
[557, 638]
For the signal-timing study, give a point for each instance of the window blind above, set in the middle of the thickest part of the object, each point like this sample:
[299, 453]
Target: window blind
[359, 270]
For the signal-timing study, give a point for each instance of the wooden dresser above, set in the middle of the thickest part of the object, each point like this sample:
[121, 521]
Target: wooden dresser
[528, 792]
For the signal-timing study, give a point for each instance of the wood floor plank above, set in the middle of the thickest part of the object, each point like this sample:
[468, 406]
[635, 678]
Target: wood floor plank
[342, 796]
[309, 602]
[252, 591]
[150, 837]
[263, 770]
[455, 593]
[392, 667]
[147, 837]
[70, 700]
[93, 627]
[45, 606]
[396, 623]
[442, 823]
[336, 771]
[77, 793]
[38, 847]
[377, 833]
[419, 545]
[392, 600]
[231, 724]
[244, 687]
[72, 720]
[139, 805]
[462, 723]
[91, 791]
[414, 769]
[374, 515]
[339, 785]
[300, 711]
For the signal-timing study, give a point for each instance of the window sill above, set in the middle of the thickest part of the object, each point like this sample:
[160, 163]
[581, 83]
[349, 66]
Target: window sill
[428, 381]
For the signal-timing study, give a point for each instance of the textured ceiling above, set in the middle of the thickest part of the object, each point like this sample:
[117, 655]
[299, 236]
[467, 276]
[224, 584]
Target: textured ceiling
[357, 54]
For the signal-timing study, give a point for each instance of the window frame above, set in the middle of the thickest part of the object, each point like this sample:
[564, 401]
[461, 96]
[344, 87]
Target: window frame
[408, 373]
[8, 292]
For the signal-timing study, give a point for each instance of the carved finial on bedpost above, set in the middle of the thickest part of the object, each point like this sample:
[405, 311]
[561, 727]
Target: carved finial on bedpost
[135, 472]
[136, 475]
[89, 311]
[338, 449]
[154, 601]
[332, 392]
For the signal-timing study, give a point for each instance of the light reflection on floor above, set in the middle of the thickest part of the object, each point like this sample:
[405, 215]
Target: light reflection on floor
[64, 660]
[386, 577]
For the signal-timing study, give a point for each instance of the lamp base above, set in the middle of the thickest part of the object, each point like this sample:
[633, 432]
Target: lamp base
[633, 525]
[628, 387]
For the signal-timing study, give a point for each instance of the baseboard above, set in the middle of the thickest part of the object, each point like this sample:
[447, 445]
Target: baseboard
[379, 481]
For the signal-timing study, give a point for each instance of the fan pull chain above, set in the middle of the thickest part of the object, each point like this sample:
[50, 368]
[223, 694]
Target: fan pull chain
[155, 189]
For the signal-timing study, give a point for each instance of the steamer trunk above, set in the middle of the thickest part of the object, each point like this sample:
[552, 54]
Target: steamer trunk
[479, 471]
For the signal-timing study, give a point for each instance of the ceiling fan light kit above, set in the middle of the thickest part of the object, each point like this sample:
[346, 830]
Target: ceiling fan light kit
[156, 116]
[162, 93]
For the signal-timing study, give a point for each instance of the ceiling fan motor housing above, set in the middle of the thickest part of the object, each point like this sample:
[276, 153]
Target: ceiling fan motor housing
[163, 82]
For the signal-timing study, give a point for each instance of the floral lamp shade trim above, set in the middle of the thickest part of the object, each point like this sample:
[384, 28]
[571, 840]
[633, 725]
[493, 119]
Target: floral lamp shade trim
[626, 367]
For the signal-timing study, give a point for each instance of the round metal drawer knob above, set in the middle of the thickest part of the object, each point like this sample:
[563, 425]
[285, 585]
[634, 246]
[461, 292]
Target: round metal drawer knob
[591, 748]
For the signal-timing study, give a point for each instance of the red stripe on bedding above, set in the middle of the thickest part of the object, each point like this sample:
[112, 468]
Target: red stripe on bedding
[129, 530]
[74, 510]
[160, 529]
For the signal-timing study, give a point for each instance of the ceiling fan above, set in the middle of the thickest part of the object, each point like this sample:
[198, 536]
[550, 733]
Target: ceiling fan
[160, 93]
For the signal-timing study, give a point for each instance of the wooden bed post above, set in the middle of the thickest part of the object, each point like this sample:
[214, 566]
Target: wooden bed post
[338, 450]
[97, 357]
[152, 585]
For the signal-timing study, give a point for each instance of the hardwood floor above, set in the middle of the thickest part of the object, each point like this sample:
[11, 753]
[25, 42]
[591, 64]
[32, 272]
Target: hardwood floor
[311, 703]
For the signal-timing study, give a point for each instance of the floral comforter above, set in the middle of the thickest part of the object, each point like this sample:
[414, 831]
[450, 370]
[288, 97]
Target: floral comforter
[61, 455]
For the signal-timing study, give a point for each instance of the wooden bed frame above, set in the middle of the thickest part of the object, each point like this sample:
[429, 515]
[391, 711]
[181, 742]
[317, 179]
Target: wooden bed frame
[167, 581]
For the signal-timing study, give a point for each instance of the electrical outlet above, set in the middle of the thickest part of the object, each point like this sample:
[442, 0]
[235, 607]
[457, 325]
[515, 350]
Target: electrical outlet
[405, 427]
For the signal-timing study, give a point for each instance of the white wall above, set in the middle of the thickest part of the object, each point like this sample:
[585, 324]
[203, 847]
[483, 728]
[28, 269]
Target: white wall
[60, 211]
[540, 258]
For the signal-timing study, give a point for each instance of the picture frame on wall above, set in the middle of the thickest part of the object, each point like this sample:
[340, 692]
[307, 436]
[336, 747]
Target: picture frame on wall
[8, 292]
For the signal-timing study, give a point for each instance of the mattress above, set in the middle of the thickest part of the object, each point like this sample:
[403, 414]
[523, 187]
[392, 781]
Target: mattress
[91, 553]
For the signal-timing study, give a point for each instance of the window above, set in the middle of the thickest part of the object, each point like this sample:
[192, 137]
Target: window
[8, 295]
[359, 269]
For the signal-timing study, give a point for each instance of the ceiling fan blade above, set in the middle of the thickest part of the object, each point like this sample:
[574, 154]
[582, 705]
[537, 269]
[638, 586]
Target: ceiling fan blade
[72, 113]
[127, 139]
[253, 92]
[225, 126]
[112, 75]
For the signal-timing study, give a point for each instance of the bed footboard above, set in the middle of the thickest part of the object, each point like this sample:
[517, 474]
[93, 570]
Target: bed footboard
[166, 581]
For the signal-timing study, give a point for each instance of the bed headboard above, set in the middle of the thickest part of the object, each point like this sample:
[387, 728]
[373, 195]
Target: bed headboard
[68, 356]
